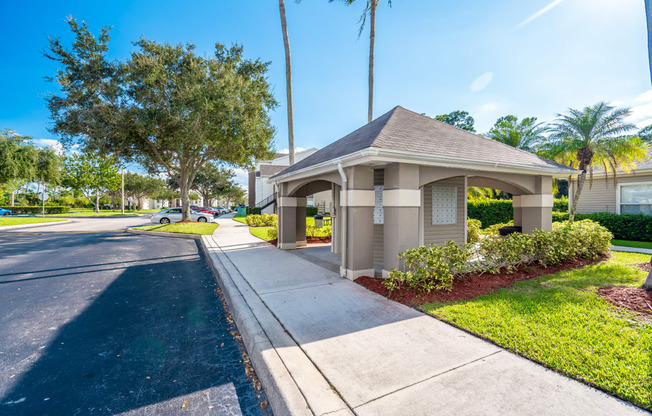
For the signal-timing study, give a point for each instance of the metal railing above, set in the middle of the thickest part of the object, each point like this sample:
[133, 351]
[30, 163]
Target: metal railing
[266, 202]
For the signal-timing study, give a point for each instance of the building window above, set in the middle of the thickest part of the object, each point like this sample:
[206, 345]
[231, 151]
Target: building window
[379, 212]
[444, 205]
[636, 199]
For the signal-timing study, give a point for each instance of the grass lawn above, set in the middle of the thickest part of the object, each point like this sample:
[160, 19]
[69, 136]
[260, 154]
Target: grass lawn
[203, 228]
[83, 212]
[637, 244]
[559, 321]
[8, 220]
[263, 232]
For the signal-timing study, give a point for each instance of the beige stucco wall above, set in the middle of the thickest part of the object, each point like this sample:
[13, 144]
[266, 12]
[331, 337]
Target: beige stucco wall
[440, 234]
[602, 196]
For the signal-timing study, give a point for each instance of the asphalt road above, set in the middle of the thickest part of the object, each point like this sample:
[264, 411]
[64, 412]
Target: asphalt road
[106, 323]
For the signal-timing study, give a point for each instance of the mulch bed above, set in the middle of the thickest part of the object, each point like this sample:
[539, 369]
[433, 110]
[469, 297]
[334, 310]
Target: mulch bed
[646, 267]
[309, 240]
[469, 286]
[633, 298]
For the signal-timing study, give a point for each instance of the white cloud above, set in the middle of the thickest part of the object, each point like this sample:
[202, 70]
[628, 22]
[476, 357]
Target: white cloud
[287, 151]
[642, 108]
[241, 177]
[55, 144]
[538, 14]
[482, 81]
[489, 107]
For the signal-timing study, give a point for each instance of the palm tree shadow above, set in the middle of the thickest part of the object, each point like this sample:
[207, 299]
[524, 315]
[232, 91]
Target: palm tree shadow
[156, 334]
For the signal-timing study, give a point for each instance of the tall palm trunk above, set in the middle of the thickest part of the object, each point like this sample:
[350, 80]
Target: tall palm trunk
[288, 79]
[585, 156]
[372, 41]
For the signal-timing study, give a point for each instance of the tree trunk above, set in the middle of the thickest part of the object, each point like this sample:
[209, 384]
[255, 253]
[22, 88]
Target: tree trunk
[584, 155]
[648, 282]
[13, 197]
[288, 80]
[372, 41]
[97, 201]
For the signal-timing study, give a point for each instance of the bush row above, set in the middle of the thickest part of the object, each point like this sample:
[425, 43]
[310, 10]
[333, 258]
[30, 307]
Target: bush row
[262, 220]
[622, 226]
[434, 267]
[496, 211]
[37, 209]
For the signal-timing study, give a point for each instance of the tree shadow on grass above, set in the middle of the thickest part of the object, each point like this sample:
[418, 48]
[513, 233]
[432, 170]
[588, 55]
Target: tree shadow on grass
[156, 337]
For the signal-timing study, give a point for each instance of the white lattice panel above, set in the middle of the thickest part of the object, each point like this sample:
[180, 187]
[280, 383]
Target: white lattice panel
[379, 213]
[444, 205]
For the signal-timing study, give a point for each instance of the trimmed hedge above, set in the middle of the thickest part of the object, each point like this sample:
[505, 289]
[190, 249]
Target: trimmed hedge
[498, 211]
[622, 226]
[311, 211]
[37, 210]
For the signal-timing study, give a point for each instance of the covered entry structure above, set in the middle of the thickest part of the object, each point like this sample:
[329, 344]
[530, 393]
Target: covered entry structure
[401, 181]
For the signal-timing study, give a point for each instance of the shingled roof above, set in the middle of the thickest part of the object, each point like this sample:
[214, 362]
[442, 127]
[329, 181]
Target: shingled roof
[406, 131]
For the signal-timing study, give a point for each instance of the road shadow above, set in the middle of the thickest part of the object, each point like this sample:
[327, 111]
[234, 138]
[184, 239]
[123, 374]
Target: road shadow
[155, 341]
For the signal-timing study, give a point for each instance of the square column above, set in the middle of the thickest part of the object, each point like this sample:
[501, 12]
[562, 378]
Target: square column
[301, 222]
[287, 223]
[534, 212]
[359, 222]
[401, 205]
[336, 239]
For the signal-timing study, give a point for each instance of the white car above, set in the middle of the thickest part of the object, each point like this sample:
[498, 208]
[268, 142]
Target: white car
[174, 215]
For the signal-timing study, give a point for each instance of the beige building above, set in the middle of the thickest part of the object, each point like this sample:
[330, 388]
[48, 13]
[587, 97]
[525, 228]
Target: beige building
[631, 193]
[261, 191]
[401, 181]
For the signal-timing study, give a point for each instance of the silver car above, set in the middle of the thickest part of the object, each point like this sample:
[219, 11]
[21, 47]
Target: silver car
[174, 215]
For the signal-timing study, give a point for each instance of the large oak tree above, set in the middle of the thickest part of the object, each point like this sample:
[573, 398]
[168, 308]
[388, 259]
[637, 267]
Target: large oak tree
[166, 107]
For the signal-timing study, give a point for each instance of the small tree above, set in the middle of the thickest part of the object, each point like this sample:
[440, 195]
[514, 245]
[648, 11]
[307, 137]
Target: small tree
[211, 182]
[18, 160]
[91, 174]
[524, 134]
[142, 186]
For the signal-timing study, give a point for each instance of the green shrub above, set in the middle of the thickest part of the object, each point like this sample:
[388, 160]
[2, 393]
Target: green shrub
[272, 233]
[434, 267]
[82, 202]
[473, 230]
[622, 226]
[37, 209]
[313, 231]
[498, 211]
[262, 220]
[312, 211]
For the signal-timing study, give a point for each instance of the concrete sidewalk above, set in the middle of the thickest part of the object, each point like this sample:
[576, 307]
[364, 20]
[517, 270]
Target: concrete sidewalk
[631, 249]
[323, 344]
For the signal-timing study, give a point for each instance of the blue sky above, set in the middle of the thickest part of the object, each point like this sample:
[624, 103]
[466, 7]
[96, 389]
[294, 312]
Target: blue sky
[490, 58]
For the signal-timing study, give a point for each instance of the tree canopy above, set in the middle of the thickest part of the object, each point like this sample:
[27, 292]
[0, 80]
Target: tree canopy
[524, 134]
[213, 182]
[91, 174]
[165, 107]
[460, 119]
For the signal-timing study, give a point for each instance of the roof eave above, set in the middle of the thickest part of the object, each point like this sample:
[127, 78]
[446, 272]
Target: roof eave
[378, 155]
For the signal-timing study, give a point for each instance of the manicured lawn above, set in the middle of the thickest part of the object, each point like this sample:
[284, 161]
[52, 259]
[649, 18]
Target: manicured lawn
[637, 244]
[77, 212]
[148, 211]
[203, 228]
[559, 321]
[21, 220]
[263, 232]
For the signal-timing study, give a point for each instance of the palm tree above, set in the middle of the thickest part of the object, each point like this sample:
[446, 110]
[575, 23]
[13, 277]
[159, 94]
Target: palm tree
[288, 79]
[595, 136]
[369, 9]
[522, 135]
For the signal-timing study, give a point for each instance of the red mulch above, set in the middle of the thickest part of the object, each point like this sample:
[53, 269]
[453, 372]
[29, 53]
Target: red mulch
[309, 240]
[646, 267]
[632, 298]
[469, 286]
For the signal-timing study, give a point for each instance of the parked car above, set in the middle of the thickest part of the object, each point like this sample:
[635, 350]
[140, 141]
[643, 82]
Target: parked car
[207, 210]
[221, 210]
[174, 215]
[4, 212]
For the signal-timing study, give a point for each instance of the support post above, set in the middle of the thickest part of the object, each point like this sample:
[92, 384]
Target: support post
[287, 223]
[359, 227]
[301, 222]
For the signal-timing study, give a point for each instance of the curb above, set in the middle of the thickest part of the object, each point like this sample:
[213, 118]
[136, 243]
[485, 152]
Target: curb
[292, 383]
[36, 224]
[163, 234]
[631, 249]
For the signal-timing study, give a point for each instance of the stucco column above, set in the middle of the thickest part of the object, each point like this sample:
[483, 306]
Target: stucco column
[401, 204]
[301, 221]
[336, 246]
[535, 212]
[360, 222]
[287, 223]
